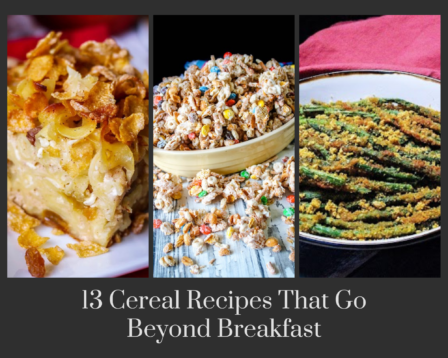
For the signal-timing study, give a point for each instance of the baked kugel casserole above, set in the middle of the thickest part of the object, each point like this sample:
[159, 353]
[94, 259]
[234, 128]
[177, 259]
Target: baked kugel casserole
[78, 138]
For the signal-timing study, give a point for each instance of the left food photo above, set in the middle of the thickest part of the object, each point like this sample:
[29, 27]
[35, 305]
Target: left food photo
[77, 124]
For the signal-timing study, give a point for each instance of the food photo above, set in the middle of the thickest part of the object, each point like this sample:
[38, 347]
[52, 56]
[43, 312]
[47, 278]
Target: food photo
[223, 150]
[78, 163]
[370, 146]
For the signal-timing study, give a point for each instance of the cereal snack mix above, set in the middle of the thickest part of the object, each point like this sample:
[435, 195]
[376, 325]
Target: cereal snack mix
[77, 140]
[226, 102]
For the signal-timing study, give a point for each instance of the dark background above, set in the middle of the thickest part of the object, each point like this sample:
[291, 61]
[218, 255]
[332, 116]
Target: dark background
[199, 37]
[404, 317]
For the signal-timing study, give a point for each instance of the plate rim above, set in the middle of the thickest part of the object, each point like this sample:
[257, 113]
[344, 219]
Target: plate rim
[382, 242]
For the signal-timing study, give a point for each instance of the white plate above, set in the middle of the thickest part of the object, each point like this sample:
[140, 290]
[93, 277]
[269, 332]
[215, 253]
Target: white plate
[356, 85]
[128, 256]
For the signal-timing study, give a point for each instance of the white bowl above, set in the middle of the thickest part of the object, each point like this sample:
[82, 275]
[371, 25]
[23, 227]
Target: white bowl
[225, 160]
[356, 85]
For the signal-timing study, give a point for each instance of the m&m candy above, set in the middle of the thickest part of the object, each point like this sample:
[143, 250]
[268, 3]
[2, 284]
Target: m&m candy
[228, 114]
[203, 89]
[156, 223]
[245, 174]
[215, 69]
[205, 130]
[232, 96]
[289, 212]
[260, 103]
[157, 99]
[264, 200]
[230, 103]
[192, 135]
[291, 199]
[202, 193]
[161, 144]
[205, 229]
[227, 54]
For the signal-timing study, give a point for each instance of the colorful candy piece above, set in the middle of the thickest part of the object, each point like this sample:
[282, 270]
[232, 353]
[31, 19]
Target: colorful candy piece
[205, 130]
[228, 114]
[289, 212]
[264, 200]
[227, 54]
[230, 103]
[245, 174]
[230, 232]
[192, 135]
[203, 89]
[272, 68]
[156, 223]
[291, 199]
[260, 103]
[232, 96]
[198, 63]
[157, 99]
[202, 193]
[161, 144]
[215, 69]
[205, 229]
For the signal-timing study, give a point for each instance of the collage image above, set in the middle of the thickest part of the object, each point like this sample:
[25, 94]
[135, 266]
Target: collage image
[79, 92]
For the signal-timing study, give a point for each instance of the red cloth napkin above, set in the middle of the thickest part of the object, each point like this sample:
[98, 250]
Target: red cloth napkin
[19, 48]
[409, 43]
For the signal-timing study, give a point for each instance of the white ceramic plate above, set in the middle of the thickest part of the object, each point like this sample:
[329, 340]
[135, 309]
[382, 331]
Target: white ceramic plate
[355, 85]
[128, 256]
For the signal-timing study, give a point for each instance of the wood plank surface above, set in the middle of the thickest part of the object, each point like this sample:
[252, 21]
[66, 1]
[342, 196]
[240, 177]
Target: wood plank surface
[243, 261]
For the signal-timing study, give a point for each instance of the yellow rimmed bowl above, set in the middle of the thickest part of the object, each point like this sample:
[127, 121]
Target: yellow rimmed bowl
[225, 160]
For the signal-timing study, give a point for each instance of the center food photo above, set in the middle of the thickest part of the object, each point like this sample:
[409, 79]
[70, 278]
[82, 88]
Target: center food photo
[223, 147]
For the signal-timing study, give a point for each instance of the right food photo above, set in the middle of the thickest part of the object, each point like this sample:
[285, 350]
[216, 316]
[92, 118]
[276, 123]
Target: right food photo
[369, 146]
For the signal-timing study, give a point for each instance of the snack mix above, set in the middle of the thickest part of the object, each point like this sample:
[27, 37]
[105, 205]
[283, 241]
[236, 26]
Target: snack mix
[228, 101]
[77, 146]
[257, 186]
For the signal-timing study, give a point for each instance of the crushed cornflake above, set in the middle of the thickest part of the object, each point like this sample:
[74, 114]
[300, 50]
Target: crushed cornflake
[53, 254]
[18, 220]
[87, 249]
[30, 239]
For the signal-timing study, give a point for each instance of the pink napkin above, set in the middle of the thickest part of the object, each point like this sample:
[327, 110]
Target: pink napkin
[409, 43]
